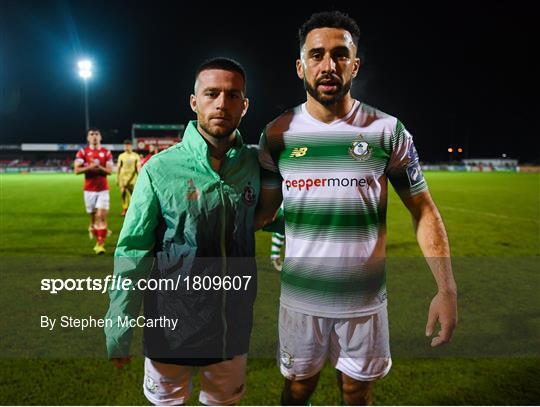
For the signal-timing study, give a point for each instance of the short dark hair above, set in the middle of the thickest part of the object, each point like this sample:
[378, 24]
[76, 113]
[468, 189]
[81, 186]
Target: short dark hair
[329, 19]
[126, 141]
[93, 129]
[227, 64]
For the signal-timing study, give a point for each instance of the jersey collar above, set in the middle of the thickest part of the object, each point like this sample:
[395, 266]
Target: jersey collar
[354, 107]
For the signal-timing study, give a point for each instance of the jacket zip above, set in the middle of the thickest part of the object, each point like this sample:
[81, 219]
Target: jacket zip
[223, 250]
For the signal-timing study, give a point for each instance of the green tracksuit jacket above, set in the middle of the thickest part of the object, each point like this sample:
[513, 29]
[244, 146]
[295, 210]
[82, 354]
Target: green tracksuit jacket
[184, 221]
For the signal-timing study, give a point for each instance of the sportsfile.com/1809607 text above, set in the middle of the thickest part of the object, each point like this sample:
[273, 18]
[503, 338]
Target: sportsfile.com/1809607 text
[110, 282]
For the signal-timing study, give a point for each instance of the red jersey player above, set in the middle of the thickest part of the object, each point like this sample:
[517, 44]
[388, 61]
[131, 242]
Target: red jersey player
[153, 149]
[96, 163]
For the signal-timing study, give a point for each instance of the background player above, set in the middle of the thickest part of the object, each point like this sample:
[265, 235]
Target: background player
[128, 168]
[335, 156]
[96, 163]
[152, 150]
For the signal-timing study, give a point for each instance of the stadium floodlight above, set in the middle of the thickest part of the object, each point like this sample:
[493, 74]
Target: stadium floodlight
[450, 150]
[85, 68]
[85, 72]
[459, 150]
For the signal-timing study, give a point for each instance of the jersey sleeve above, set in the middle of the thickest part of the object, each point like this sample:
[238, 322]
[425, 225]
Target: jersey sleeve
[270, 175]
[403, 170]
[133, 260]
[109, 158]
[79, 157]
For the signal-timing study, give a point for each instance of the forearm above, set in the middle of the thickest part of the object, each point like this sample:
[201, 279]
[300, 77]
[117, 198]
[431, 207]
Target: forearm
[105, 170]
[82, 170]
[269, 202]
[133, 262]
[433, 241]
[133, 259]
[263, 218]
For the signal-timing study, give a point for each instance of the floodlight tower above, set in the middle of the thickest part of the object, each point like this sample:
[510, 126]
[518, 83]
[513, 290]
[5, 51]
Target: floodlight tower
[85, 72]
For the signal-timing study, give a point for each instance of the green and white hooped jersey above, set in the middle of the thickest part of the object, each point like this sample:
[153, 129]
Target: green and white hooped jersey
[334, 179]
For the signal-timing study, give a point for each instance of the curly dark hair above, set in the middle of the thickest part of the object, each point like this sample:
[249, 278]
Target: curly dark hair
[329, 19]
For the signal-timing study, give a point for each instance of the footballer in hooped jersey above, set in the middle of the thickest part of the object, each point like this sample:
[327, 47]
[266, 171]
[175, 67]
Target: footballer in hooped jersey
[96, 163]
[329, 161]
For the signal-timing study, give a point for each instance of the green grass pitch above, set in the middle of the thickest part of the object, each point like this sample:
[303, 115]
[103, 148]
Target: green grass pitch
[493, 221]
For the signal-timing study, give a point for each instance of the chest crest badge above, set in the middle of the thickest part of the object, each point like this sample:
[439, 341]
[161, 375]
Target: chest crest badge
[360, 149]
[249, 196]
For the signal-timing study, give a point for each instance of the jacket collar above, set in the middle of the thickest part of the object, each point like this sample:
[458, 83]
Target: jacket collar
[195, 142]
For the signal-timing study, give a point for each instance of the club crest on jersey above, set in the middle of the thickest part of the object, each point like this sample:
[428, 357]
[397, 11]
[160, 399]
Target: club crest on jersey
[360, 149]
[150, 384]
[298, 152]
[286, 359]
[249, 196]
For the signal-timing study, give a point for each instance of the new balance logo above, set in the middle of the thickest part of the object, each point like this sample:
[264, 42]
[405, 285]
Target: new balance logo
[298, 152]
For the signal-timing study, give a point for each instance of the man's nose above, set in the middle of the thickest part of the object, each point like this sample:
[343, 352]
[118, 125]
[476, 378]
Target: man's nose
[328, 64]
[221, 101]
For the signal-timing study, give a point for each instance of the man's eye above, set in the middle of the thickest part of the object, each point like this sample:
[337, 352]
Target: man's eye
[341, 56]
[316, 56]
[211, 94]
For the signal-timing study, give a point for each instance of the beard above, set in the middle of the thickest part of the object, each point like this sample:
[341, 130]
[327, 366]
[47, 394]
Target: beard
[218, 132]
[328, 99]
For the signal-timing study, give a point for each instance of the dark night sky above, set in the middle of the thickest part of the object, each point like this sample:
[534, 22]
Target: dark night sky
[458, 74]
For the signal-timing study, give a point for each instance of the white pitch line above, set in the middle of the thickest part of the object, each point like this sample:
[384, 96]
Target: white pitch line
[494, 215]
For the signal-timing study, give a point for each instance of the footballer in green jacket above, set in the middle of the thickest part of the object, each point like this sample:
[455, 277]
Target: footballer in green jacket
[187, 251]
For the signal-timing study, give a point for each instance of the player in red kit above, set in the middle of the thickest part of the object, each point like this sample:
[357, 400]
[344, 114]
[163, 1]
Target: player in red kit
[153, 149]
[96, 163]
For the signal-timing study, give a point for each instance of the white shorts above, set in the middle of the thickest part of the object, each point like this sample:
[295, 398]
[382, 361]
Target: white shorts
[96, 200]
[221, 383]
[358, 347]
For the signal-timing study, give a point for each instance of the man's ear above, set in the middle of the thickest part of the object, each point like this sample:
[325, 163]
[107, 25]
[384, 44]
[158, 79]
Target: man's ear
[246, 106]
[356, 67]
[193, 103]
[300, 69]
